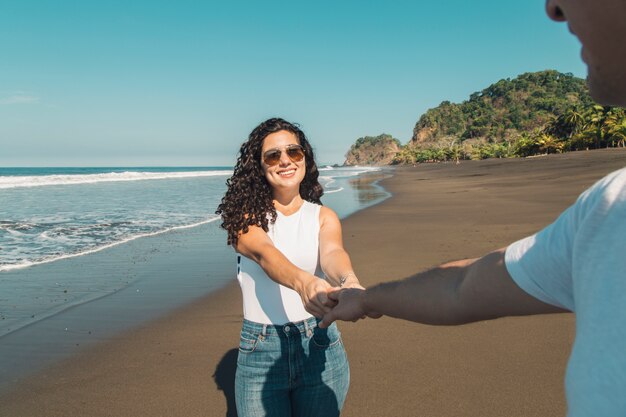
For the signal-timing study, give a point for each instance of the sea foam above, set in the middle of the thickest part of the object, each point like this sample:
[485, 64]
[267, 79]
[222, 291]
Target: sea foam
[46, 180]
[88, 251]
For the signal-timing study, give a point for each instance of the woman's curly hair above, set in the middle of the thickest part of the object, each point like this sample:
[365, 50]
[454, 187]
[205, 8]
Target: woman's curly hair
[248, 199]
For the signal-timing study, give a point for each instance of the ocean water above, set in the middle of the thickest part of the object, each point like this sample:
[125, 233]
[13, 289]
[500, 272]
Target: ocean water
[54, 213]
[51, 214]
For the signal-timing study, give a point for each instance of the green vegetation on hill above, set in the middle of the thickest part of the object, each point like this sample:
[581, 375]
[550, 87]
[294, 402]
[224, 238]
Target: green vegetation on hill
[505, 108]
[577, 128]
[535, 113]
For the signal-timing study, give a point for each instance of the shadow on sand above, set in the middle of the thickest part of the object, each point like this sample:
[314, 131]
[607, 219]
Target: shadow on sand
[224, 377]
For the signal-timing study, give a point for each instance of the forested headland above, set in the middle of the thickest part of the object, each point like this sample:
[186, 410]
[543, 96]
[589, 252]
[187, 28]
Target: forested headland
[533, 114]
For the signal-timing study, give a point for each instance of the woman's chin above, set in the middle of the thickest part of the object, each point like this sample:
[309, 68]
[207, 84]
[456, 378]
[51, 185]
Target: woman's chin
[287, 184]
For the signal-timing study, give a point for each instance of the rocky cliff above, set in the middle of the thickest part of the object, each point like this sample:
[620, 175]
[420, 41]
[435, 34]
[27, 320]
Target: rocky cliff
[373, 150]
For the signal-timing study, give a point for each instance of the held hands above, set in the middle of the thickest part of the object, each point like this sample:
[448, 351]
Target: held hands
[350, 306]
[314, 294]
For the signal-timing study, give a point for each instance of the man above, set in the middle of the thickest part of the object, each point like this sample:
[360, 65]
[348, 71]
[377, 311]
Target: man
[576, 264]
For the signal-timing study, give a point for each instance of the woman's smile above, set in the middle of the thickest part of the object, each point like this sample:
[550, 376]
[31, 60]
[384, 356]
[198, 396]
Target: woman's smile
[287, 173]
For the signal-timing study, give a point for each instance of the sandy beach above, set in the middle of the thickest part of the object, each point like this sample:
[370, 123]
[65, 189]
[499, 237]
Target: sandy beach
[183, 364]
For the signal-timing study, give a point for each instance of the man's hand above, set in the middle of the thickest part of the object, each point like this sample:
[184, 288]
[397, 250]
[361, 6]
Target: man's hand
[314, 295]
[350, 306]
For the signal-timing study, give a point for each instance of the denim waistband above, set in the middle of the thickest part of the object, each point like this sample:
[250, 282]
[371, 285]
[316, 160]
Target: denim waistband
[304, 326]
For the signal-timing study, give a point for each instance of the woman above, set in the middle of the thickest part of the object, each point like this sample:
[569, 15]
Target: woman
[290, 254]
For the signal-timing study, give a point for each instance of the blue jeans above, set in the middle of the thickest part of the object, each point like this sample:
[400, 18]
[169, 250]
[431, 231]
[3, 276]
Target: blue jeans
[295, 369]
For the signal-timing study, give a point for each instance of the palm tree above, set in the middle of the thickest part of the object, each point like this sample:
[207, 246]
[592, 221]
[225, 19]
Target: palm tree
[574, 120]
[406, 155]
[616, 126]
[595, 127]
[549, 144]
[566, 124]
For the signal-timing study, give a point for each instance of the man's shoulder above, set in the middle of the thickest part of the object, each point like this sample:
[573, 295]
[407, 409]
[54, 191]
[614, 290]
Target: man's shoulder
[615, 177]
[611, 188]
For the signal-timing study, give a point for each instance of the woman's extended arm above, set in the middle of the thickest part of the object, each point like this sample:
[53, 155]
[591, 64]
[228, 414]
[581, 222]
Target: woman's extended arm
[256, 245]
[334, 259]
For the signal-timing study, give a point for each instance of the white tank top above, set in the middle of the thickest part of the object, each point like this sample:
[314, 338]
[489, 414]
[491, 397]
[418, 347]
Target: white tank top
[297, 237]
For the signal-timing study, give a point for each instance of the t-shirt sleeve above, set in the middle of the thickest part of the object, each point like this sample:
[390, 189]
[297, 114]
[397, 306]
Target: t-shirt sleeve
[541, 264]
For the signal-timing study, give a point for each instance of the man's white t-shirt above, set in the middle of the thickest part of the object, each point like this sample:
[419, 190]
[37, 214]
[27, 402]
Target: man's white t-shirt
[579, 263]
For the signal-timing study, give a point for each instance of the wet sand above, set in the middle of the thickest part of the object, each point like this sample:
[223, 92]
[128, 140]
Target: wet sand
[183, 364]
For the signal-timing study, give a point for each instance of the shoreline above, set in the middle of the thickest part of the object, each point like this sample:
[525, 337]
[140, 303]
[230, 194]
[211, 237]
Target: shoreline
[183, 363]
[143, 248]
[142, 289]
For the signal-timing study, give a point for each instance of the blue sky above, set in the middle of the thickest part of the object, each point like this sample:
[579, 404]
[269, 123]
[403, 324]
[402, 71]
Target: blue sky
[118, 83]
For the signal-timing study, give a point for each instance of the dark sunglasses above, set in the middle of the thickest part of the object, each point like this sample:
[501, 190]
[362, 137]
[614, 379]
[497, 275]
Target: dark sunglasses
[294, 152]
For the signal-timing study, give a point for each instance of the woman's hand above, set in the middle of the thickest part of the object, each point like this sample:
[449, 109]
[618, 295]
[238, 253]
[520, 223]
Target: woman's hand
[314, 294]
[350, 306]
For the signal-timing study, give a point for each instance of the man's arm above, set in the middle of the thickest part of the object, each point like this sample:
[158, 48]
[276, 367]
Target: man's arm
[453, 293]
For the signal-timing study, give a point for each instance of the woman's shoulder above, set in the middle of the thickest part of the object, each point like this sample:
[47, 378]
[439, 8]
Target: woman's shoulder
[327, 215]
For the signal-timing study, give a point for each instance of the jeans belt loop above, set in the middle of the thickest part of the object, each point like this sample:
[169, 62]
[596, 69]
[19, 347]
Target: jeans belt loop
[264, 331]
[308, 330]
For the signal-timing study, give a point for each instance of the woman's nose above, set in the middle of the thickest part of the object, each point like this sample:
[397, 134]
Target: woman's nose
[284, 159]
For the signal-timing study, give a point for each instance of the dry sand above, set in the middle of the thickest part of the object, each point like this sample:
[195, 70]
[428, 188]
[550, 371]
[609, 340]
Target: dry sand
[183, 364]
